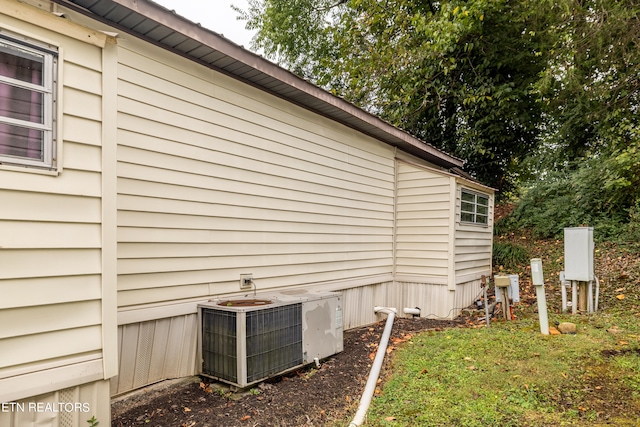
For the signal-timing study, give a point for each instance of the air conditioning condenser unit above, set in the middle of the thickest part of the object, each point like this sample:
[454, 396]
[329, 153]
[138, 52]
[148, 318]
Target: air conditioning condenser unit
[243, 341]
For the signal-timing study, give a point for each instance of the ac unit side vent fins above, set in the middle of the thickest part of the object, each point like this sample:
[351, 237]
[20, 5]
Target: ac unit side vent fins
[274, 341]
[219, 344]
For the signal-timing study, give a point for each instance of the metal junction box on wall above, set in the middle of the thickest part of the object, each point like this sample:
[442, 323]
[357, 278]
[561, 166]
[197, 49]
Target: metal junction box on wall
[243, 341]
[578, 254]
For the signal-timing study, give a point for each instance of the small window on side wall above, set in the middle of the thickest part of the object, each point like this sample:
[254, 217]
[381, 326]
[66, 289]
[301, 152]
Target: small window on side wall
[27, 100]
[474, 208]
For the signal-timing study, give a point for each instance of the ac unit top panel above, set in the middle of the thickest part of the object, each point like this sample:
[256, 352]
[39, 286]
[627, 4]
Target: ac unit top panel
[261, 300]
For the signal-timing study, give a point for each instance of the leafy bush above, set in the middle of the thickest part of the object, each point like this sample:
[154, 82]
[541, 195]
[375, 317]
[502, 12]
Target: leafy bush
[596, 193]
[509, 255]
[505, 225]
[632, 228]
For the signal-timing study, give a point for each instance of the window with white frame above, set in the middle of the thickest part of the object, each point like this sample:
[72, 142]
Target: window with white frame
[27, 99]
[474, 208]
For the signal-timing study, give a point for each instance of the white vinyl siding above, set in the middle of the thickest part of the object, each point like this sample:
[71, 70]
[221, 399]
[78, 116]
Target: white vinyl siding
[50, 233]
[473, 242]
[216, 178]
[422, 223]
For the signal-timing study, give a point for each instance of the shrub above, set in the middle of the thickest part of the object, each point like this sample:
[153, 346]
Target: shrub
[509, 255]
[632, 228]
[580, 197]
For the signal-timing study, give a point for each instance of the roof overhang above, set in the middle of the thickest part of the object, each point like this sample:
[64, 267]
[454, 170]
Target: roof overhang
[158, 25]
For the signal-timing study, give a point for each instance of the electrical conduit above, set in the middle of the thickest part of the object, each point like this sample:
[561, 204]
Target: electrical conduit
[370, 387]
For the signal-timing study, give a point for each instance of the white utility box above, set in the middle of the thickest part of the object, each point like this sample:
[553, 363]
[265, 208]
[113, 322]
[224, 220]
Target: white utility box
[578, 254]
[514, 288]
[537, 275]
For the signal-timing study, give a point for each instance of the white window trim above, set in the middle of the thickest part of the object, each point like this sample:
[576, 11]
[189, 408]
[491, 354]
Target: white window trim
[49, 91]
[476, 194]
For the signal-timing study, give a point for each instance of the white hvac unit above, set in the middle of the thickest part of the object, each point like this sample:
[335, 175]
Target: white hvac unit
[247, 340]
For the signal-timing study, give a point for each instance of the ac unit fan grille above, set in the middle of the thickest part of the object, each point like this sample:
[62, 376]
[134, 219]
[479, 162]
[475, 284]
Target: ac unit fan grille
[273, 339]
[219, 348]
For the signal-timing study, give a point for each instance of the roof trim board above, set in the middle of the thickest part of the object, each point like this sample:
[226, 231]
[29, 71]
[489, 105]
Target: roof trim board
[163, 27]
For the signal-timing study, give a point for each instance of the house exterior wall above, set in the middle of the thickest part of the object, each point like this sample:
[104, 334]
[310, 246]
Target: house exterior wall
[218, 179]
[473, 243]
[422, 223]
[473, 248]
[155, 350]
[52, 325]
[433, 300]
[439, 259]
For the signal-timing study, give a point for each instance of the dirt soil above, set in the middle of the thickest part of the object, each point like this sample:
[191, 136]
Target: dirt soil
[309, 396]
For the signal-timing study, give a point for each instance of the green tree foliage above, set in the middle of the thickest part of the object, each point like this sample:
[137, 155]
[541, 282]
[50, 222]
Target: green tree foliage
[589, 166]
[591, 82]
[600, 191]
[458, 74]
[541, 96]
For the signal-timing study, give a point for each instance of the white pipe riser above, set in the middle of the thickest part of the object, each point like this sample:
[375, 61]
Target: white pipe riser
[370, 387]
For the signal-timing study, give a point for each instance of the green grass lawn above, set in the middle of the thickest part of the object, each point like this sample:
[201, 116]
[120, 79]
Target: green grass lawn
[512, 375]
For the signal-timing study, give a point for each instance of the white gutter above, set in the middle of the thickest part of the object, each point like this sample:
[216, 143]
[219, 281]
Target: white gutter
[370, 387]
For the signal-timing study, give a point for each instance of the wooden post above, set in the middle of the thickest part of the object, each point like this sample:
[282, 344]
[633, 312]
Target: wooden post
[583, 299]
[506, 311]
[483, 282]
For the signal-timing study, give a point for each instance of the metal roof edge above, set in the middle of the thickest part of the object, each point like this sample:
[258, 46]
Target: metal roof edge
[175, 22]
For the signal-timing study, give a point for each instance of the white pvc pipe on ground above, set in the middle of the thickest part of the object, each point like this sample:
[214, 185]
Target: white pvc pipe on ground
[370, 387]
[412, 311]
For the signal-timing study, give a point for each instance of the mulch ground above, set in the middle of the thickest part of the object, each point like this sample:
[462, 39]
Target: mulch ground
[308, 397]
